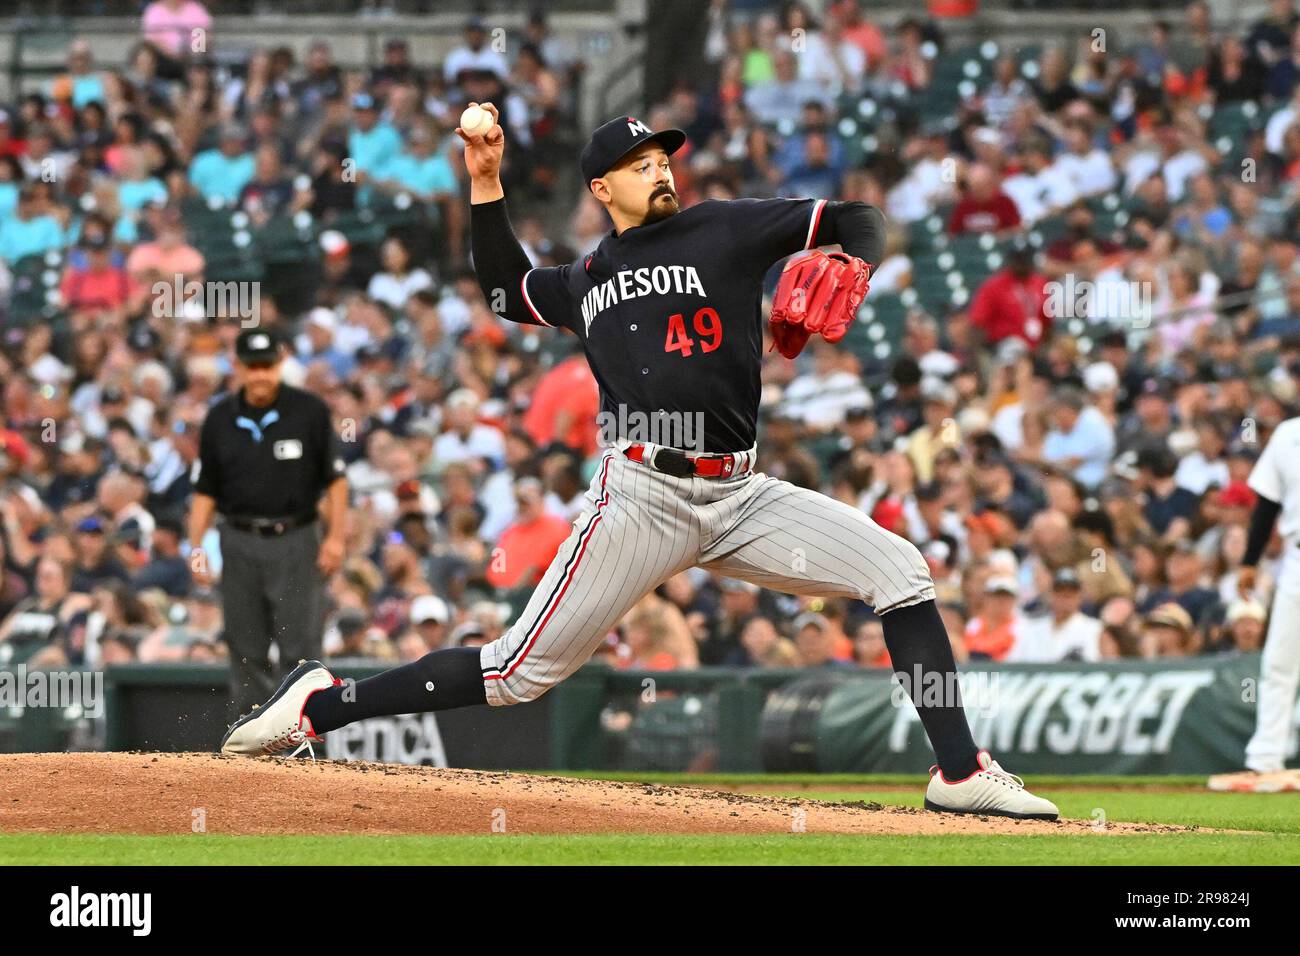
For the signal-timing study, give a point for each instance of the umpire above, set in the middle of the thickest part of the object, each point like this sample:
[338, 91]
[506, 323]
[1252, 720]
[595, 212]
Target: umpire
[267, 452]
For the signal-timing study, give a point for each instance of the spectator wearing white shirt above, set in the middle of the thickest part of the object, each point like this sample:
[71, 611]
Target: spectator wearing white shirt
[928, 183]
[352, 332]
[466, 438]
[1040, 189]
[1006, 93]
[43, 159]
[1086, 168]
[566, 492]
[921, 340]
[1206, 465]
[1101, 382]
[366, 475]
[1280, 122]
[823, 397]
[475, 56]
[454, 304]
[826, 58]
[1170, 156]
[1065, 633]
[398, 281]
[894, 272]
[120, 495]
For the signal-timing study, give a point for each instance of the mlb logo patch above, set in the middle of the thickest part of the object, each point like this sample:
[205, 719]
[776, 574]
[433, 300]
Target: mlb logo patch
[288, 449]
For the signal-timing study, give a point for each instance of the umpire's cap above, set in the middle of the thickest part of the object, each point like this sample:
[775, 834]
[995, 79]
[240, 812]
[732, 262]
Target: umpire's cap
[257, 347]
[619, 137]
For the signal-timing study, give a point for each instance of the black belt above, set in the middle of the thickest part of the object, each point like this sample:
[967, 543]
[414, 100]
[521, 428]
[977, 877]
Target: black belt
[269, 527]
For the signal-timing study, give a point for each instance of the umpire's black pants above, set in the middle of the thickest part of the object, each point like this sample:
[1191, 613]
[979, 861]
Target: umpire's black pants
[271, 590]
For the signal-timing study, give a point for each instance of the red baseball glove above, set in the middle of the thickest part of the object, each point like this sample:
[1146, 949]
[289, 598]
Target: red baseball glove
[819, 292]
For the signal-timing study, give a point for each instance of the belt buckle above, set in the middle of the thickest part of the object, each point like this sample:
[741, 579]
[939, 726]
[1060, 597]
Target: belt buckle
[681, 467]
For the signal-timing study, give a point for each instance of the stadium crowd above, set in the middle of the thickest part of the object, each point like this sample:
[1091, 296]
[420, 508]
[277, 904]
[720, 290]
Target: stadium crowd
[1073, 467]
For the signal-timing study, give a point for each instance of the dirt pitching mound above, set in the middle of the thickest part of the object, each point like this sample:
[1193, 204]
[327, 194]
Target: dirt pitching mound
[160, 793]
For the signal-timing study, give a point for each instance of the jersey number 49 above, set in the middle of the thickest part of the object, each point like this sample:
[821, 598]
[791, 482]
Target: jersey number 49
[707, 325]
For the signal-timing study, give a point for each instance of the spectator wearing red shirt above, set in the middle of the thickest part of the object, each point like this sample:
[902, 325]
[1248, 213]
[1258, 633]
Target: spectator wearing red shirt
[9, 146]
[997, 628]
[1012, 301]
[860, 31]
[528, 545]
[983, 206]
[564, 407]
[98, 286]
[869, 644]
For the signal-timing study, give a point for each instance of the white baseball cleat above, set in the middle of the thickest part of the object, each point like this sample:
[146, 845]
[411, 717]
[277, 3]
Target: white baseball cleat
[280, 723]
[1254, 781]
[989, 791]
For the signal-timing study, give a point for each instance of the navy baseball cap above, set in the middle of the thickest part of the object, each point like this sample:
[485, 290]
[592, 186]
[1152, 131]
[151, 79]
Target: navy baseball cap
[256, 346]
[611, 142]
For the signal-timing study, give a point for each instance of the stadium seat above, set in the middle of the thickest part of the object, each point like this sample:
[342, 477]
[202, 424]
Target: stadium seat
[824, 448]
[926, 235]
[1027, 59]
[234, 258]
[1228, 129]
[361, 227]
[285, 239]
[881, 321]
[1047, 231]
[35, 293]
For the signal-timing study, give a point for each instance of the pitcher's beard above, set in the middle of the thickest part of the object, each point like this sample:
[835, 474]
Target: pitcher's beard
[661, 210]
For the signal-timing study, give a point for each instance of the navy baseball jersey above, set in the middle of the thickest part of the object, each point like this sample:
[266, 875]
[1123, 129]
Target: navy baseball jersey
[670, 313]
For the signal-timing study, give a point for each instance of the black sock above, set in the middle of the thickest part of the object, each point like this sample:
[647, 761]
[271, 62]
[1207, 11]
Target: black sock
[918, 645]
[437, 681]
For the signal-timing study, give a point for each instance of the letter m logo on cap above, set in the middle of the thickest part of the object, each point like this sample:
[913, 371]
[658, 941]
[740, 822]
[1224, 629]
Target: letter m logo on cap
[635, 126]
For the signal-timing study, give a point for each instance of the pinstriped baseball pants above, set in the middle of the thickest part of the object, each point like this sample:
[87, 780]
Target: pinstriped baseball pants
[640, 527]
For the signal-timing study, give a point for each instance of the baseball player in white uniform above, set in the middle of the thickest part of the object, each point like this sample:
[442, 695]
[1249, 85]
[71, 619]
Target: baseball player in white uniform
[667, 310]
[1276, 480]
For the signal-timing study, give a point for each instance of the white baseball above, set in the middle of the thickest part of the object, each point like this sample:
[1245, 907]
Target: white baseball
[476, 119]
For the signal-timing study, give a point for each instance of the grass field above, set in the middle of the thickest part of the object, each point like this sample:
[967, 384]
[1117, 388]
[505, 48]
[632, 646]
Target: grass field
[1273, 822]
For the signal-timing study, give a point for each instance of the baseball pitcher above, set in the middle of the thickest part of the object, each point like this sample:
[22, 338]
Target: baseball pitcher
[668, 313]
